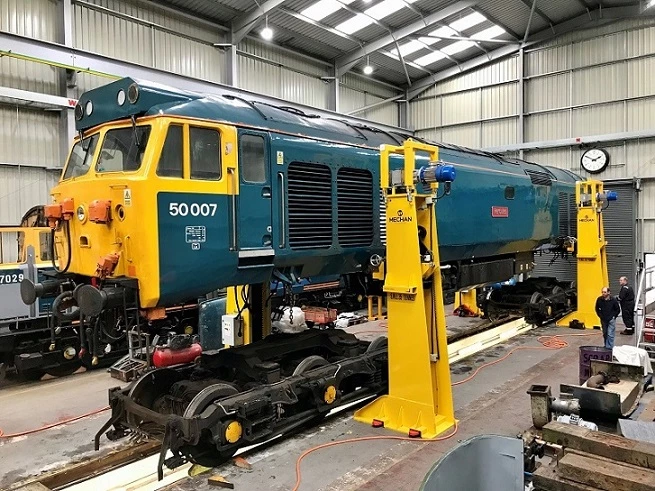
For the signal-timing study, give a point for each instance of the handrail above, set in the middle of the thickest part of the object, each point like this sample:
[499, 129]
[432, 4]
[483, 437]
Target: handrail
[640, 303]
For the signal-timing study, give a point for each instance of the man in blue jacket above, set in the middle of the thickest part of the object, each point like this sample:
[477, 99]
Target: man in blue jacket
[607, 309]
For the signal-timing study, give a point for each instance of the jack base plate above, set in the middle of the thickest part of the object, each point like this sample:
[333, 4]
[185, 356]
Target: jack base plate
[405, 416]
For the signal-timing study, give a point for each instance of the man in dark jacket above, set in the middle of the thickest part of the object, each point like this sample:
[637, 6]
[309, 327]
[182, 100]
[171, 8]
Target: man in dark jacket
[627, 301]
[607, 309]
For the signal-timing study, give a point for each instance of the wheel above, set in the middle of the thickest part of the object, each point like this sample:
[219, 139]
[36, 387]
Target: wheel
[149, 389]
[557, 289]
[310, 363]
[31, 375]
[206, 396]
[377, 344]
[64, 369]
[205, 452]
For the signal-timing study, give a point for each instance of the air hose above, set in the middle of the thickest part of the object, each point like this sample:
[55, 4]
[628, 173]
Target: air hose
[53, 249]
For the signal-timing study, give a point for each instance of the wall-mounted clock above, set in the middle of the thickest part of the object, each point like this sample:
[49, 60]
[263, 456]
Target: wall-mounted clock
[595, 160]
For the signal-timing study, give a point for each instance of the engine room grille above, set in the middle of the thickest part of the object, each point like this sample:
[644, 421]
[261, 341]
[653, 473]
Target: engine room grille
[310, 205]
[539, 178]
[568, 214]
[355, 201]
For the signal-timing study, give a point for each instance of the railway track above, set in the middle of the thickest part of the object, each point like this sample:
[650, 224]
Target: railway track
[136, 463]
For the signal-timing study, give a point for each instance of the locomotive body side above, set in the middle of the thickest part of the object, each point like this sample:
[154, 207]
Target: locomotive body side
[197, 193]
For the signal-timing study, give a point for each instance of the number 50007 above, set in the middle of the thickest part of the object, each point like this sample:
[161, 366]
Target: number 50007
[193, 209]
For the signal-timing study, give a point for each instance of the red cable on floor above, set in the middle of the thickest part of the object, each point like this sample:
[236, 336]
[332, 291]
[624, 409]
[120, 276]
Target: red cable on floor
[548, 342]
[363, 439]
[52, 425]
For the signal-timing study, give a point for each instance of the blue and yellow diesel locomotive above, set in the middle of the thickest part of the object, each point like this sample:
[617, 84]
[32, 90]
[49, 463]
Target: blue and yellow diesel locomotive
[168, 195]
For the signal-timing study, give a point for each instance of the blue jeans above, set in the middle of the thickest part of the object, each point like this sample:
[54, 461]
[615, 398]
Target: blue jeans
[608, 332]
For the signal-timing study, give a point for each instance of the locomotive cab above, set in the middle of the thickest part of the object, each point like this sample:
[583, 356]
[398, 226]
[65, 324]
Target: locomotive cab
[123, 179]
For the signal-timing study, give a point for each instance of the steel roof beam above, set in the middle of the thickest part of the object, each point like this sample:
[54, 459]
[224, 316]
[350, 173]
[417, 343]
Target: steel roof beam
[537, 10]
[347, 61]
[68, 58]
[464, 38]
[491, 18]
[587, 19]
[244, 24]
[320, 25]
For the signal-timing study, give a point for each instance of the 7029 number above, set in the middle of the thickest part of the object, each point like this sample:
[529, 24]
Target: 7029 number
[193, 209]
[5, 279]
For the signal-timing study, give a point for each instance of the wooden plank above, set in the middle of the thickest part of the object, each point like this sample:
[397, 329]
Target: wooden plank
[599, 443]
[546, 478]
[35, 486]
[86, 469]
[605, 475]
[220, 482]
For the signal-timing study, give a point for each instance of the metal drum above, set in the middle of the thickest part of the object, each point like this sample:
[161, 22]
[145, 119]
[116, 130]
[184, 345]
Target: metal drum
[482, 463]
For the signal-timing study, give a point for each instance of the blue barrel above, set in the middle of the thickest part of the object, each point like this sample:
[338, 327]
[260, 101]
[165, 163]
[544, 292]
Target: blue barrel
[588, 353]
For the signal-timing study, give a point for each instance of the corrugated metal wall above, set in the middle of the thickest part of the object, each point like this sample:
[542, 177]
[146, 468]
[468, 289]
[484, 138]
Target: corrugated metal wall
[476, 109]
[33, 18]
[141, 33]
[266, 70]
[581, 84]
[356, 92]
[22, 188]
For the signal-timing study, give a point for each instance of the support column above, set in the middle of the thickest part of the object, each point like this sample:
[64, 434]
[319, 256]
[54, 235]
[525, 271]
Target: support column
[335, 87]
[68, 81]
[231, 69]
[521, 135]
[403, 112]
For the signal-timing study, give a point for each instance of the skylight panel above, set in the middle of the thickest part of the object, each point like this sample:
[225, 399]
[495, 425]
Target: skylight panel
[467, 22]
[429, 58]
[323, 8]
[408, 48]
[444, 31]
[377, 12]
[457, 47]
[354, 24]
[490, 33]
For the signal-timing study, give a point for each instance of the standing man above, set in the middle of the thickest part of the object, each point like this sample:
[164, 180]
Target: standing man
[627, 301]
[607, 309]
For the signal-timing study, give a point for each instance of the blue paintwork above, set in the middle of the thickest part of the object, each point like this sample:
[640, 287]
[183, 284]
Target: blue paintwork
[466, 226]
[187, 271]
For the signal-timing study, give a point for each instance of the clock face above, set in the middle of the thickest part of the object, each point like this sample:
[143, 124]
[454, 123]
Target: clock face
[594, 160]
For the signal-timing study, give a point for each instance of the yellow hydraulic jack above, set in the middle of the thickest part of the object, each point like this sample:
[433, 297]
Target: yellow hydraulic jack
[244, 324]
[591, 258]
[419, 402]
[466, 303]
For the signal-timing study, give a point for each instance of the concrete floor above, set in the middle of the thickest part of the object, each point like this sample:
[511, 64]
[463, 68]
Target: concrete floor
[493, 402]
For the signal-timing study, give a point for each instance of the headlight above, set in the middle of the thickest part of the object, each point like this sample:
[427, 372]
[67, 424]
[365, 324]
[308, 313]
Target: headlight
[120, 98]
[81, 214]
[89, 108]
[133, 93]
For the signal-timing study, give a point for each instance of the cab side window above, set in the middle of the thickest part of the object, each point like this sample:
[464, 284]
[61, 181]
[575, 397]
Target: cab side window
[205, 153]
[171, 161]
[252, 158]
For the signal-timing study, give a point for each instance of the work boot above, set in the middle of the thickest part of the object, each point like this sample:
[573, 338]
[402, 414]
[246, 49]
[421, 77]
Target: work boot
[628, 332]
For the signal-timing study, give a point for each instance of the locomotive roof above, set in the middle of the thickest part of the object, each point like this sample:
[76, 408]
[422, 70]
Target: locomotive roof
[141, 98]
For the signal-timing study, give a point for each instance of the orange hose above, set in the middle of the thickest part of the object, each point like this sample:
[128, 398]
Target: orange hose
[362, 439]
[52, 425]
[548, 343]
